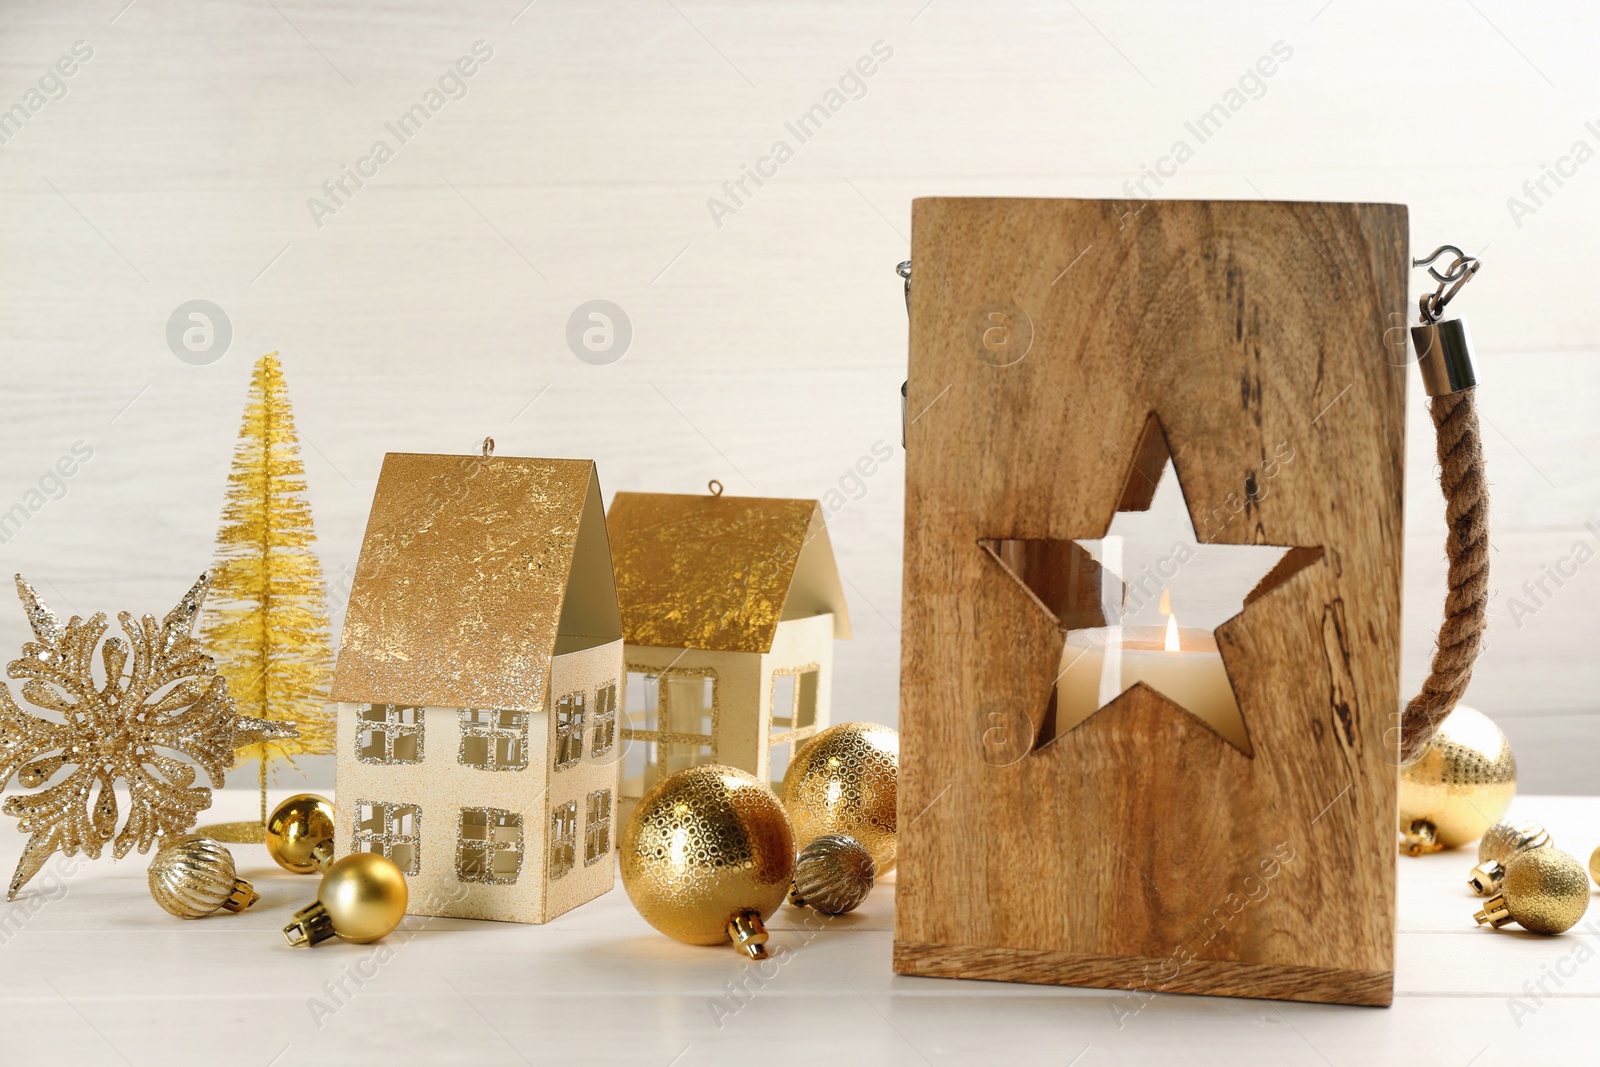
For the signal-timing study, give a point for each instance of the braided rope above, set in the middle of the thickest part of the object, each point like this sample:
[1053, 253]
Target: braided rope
[1466, 496]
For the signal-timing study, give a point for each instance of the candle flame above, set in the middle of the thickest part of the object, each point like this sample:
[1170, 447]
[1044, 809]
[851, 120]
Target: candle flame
[1172, 633]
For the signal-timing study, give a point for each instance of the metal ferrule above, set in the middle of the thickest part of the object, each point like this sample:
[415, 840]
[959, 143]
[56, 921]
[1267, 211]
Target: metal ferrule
[1444, 354]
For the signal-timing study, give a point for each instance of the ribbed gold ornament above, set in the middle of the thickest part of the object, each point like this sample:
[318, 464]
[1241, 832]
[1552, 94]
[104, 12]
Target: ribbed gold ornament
[193, 876]
[297, 826]
[844, 782]
[1460, 785]
[834, 874]
[707, 856]
[362, 898]
[1544, 891]
[1499, 843]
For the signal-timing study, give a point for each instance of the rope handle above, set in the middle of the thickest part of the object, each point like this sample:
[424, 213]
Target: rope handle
[1445, 358]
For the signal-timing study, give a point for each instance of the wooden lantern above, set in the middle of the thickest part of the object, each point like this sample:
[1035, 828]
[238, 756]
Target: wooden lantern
[1061, 351]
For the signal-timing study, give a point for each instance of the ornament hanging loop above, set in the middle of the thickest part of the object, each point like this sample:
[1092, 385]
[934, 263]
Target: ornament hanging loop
[488, 447]
[1444, 348]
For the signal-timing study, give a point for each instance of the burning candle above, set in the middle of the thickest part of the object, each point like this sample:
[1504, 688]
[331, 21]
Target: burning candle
[1182, 664]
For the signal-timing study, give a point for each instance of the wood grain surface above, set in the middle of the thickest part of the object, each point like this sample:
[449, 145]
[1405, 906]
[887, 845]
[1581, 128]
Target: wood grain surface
[1140, 839]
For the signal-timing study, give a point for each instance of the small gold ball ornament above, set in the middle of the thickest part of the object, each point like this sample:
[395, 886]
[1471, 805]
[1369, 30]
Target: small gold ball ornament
[1594, 866]
[1544, 891]
[843, 781]
[362, 898]
[192, 876]
[1499, 843]
[707, 857]
[1459, 786]
[296, 827]
[834, 874]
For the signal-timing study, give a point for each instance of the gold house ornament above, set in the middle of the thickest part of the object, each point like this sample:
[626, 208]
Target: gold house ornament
[730, 607]
[478, 684]
[1079, 345]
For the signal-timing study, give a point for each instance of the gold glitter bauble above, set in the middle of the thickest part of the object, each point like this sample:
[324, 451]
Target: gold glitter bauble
[1460, 785]
[707, 849]
[297, 826]
[843, 782]
[1499, 843]
[362, 898]
[832, 875]
[193, 876]
[1545, 891]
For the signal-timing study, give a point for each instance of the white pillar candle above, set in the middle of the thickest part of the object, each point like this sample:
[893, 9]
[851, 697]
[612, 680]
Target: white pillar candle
[1099, 664]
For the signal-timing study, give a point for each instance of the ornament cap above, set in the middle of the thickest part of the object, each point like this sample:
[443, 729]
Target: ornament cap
[1494, 913]
[241, 896]
[1419, 838]
[748, 934]
[322, 854]
[1486, 877]
[312, 925]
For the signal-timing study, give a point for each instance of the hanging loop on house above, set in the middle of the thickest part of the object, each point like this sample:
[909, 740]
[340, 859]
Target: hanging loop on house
[715, 487]
[488, 447]
[1459, 273]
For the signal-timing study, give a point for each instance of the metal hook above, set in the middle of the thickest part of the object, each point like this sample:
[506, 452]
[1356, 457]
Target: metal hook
[488, 447]
[1459, 273]
[715, 487]
[904, 270]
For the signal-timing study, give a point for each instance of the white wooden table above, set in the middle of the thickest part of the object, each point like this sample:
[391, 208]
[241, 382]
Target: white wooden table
[92, 971]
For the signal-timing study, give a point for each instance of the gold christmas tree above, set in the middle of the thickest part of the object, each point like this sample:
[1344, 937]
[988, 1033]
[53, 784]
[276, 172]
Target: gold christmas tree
[269, 631]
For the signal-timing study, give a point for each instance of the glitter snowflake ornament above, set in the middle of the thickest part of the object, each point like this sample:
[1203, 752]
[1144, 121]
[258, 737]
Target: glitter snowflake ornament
[133, 726]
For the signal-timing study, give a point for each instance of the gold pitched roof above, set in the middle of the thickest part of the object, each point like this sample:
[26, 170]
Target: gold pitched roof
[470, 571]
[719, 573]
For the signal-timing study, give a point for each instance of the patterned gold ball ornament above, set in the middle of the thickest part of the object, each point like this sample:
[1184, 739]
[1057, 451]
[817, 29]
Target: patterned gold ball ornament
[707, 857]
[362, 898]
[297, 826]
[193, 876]
[834, 874]
[1544, 891]
[1499, 843]
[1460, 785]
[843, 782]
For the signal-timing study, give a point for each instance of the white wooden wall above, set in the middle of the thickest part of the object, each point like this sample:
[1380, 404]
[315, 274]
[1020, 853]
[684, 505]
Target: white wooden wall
[430, 310]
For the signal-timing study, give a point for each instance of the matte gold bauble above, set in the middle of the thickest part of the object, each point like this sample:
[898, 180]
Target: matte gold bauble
[843, 782]
[297, 826]
[1459, 786]
[193, 876]
[362, 898]
[707, 856]
[834, 874]
[1499, 843]
[1544, 891]
[1594, 866]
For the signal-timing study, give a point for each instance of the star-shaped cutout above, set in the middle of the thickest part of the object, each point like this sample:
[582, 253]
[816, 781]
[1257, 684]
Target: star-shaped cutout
[1117, 599]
